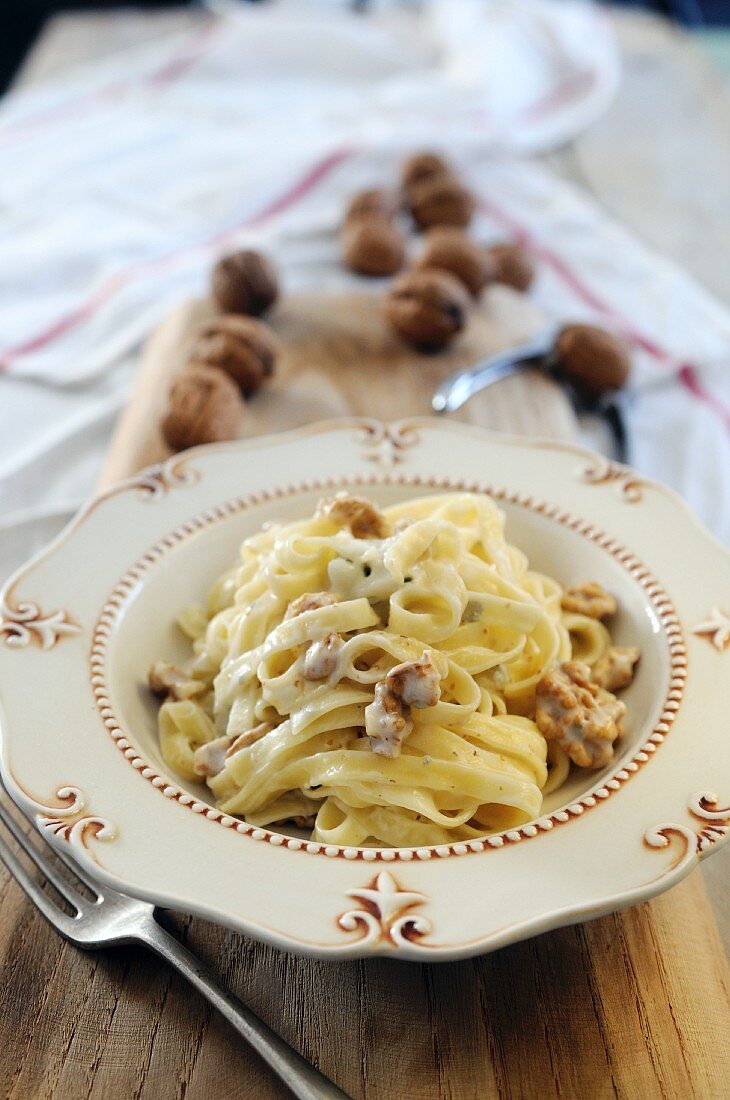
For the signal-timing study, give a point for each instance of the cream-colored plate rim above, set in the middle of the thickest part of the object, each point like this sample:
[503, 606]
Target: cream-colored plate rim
[389, 909]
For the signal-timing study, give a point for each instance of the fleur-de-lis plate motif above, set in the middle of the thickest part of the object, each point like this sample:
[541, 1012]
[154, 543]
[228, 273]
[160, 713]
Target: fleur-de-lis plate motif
[69, 822]
[385, 444]
[156, 481]
[715, 821]
[623, 479]
[385, 915]
[716, 629]
[25, 623]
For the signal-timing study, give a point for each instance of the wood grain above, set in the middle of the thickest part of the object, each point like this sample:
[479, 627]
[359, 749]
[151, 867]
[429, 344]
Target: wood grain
[339, 359]
[636, 1004]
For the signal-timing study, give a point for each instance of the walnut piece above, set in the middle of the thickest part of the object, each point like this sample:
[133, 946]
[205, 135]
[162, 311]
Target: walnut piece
[387, 721]
[167, 679]
[418, 683]
[323, 658]
[452, 250]
[427, 308]
[357, 513]
[210, 759]
[373, 245]
[244, 282]
[595, 361]
[513, 265]
[579, 715]
[310, 601]
[588, 599]
[422, 166]
[373, 201]
[244, 348]
[441, 200]
[614, 669]
[411, 684]
[205, 406]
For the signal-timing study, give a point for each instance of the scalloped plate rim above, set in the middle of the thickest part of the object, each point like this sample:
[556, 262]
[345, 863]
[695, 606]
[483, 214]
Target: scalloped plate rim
[551, 917]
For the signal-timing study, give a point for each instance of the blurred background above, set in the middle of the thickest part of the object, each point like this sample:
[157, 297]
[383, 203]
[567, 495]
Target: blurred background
[23, 21]
[138, 144]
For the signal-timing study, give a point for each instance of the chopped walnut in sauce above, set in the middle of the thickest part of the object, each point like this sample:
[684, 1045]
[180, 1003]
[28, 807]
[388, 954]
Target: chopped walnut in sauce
[310, 601]
[167, 679]
[614, 669]
[357, 513]
[584, 719]
[322, 661]
[411, 684]
[588, 599]
[210, 759]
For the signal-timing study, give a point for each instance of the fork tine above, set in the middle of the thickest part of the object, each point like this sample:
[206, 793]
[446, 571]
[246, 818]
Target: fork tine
[77, 870]
[61, 883]
[74, 867]
[50, 911]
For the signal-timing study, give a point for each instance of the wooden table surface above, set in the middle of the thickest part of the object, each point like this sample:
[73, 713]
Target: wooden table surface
[612, 1008]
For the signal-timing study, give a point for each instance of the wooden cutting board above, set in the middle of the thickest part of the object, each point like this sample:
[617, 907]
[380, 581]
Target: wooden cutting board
[632, 1005]
[340, 359]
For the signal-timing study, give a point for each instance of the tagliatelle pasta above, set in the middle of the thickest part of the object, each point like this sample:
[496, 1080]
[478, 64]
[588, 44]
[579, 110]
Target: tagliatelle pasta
[384, 677]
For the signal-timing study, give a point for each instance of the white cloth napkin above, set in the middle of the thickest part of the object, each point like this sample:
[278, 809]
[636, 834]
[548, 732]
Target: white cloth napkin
[118, 187]
[120, 184]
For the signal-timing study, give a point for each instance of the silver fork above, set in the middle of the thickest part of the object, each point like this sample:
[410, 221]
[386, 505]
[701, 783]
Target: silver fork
[112, 919]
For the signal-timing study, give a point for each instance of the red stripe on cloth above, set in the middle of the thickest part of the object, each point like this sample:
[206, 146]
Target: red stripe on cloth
[64, 324]
[686, 373]
[117, 282]
[196, 48]
[691, 382]
[571, 88]
[193, 49]
[299, 190]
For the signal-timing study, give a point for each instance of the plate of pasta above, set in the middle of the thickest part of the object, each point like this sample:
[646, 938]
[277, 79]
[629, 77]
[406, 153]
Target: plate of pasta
[365, 688]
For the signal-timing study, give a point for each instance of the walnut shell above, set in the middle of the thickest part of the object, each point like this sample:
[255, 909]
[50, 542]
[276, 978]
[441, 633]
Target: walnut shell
[420, 167]
[244, 348]
[373, 201]
[205, 406]
[595, 361]
[373, 246]
[427, 308]
[513, 265]
[441, 200]
[244, 282]
[451, 250]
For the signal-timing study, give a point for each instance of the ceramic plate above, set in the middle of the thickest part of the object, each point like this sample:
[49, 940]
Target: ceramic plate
[80, 625]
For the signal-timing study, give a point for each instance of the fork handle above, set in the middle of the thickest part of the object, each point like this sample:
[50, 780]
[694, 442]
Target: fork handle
[303, 1079]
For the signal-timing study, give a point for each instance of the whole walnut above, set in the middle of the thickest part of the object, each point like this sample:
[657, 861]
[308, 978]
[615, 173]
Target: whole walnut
[373, 246]
[513, 265]
[441, 200]
[420, 167]
[428, 308]
[451, 250]
[374, 201]
[595, 361]
[244, 282]
[205, 406]
[244, 348]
